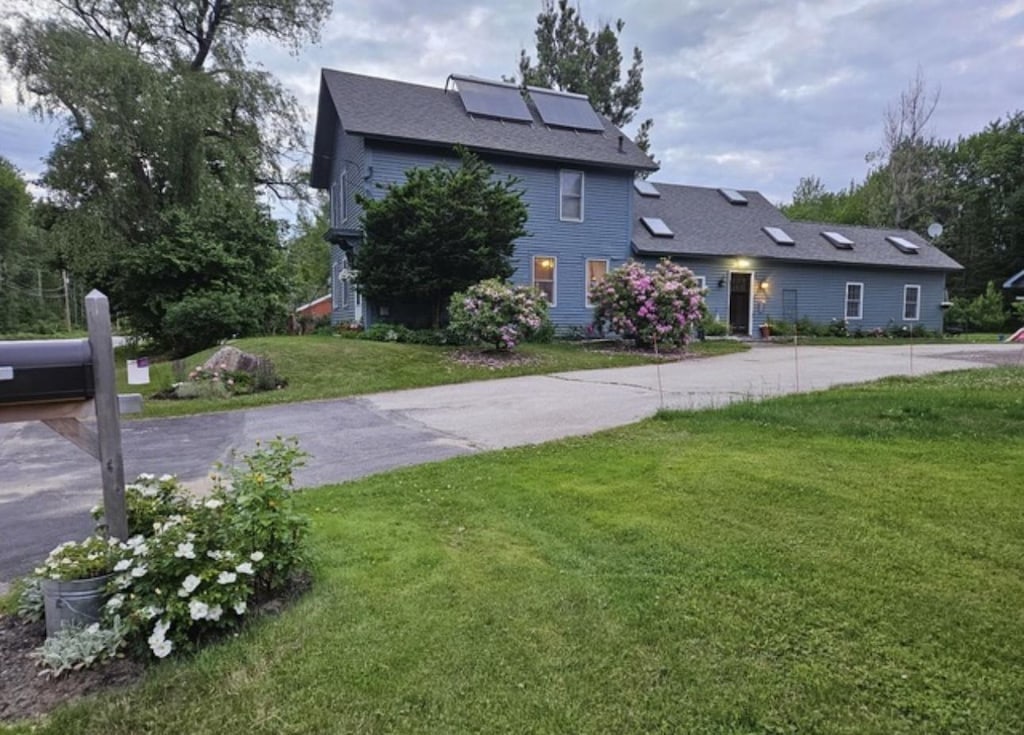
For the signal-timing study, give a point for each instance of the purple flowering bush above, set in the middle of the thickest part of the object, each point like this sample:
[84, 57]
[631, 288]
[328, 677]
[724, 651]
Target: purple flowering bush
[660, 305]
[497, 313]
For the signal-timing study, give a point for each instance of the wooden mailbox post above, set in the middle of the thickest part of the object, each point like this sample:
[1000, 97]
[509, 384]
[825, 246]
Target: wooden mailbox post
[64, 417]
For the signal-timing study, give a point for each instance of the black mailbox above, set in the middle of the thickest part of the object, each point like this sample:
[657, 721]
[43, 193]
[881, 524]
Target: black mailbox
[45, 370]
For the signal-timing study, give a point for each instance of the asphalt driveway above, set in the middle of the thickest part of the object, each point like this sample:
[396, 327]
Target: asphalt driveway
[47, 485]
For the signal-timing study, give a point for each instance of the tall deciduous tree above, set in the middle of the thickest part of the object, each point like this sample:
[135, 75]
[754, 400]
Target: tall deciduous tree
[309, 256]
[31, 290]
[812, 202]
[162, 115]
[441, 230]
[572, 58]
[908, 163]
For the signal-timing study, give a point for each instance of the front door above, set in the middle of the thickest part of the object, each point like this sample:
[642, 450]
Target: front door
[739, 302]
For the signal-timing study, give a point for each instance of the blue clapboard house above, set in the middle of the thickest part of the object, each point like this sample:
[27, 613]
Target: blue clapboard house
[589, 212]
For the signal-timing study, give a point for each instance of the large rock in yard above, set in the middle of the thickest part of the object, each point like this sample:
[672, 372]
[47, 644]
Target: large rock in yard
[234, 360]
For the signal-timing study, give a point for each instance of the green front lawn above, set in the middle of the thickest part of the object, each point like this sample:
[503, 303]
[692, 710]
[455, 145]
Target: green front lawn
[331, 367]
[841, 562]
[865, 341]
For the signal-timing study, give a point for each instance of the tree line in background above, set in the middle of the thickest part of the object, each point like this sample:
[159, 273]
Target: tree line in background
[170, 142]
[973, 186]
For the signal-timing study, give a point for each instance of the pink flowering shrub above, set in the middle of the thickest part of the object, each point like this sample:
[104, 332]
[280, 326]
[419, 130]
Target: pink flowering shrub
[658, 305]
[497, 313]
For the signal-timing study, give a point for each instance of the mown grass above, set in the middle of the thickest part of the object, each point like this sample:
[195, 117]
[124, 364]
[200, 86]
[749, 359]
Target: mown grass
[330, 367]
[869, 341]
[842, 562]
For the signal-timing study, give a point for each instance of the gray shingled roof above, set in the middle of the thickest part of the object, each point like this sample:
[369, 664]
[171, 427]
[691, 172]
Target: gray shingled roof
[704, 224]
[390, 110]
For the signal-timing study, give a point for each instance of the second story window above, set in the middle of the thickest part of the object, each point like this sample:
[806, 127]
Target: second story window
[571, 195]
[338, 202]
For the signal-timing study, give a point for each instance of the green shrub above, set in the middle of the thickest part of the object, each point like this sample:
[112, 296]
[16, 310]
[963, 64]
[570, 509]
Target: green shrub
[713, 327]
[656, 306]
[497, 313]
[385, 332]
[201, 320]
[781, 328]
[192, 565]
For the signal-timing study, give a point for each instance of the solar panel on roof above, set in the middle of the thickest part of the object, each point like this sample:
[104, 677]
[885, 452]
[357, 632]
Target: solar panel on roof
[565, 110]
[779, 235]
[645, 188]
[903, 244]
[839, 240]
[733, 197]
[492, 99]
[657, 227]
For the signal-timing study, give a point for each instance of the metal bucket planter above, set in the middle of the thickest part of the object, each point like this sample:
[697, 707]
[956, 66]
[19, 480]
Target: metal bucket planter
[74, 602]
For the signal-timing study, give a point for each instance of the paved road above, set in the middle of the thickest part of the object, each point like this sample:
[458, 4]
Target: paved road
[47, 485]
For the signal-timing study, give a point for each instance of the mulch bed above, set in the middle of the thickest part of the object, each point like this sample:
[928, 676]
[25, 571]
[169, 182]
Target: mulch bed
[26, 693]
[492, 360]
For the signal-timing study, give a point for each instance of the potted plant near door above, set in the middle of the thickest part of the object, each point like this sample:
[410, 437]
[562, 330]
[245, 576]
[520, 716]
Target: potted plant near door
[73, 581]
[766, 328]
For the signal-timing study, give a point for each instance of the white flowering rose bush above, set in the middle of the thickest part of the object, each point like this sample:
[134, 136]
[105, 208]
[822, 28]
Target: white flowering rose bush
[196, 567]
[658, 306]
[497, 313]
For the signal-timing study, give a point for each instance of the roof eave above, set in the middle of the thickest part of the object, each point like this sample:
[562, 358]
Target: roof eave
[621, 166]
[640, 249]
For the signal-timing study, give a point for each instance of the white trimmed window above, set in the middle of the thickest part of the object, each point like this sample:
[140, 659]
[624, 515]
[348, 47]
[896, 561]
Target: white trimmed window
[345, 278]
[702, 282]
[911, 303]
[570, 189]
[545, 268]
[335, 285]
[338, 202]
[596, 271]
[854, 301]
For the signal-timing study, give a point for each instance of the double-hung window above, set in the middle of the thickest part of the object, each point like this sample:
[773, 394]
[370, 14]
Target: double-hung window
[911, 303]
[854, 301]
[544, 276]
[596, 271]
[570, 189]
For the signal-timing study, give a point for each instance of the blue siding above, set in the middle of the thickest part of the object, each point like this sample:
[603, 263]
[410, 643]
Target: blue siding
[342, 310]
[604, 232]
[349, 160]
[821, 291]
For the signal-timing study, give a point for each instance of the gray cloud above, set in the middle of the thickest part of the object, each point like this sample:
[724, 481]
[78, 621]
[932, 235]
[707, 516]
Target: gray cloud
[746, 93]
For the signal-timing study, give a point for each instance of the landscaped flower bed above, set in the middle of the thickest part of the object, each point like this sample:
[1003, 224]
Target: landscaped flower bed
[190, 571]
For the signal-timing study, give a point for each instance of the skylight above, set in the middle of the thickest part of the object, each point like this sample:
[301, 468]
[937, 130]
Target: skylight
[903, 244]
[657, 227]
[839, 240]
[645, 188]
[733, 197]
[779, 235]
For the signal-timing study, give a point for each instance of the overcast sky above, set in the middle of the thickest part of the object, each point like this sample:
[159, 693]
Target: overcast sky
[750, 94]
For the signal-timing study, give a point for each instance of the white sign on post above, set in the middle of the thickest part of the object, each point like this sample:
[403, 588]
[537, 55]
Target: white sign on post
[138, 371]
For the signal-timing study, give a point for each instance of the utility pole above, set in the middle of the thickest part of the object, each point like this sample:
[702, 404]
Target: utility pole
[67, 300]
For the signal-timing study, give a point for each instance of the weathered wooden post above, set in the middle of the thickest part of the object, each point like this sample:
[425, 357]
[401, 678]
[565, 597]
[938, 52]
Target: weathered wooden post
[108, 417]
